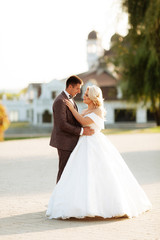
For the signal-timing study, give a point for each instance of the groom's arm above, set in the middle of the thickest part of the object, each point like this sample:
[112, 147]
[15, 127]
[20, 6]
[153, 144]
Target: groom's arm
[61, 118]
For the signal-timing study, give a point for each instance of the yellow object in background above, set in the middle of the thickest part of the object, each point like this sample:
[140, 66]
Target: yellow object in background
[4, 121]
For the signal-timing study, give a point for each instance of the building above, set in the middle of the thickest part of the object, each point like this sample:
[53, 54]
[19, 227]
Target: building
[36, 105]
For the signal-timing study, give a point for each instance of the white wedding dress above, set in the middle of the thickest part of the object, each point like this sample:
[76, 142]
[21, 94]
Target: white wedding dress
[96, 182]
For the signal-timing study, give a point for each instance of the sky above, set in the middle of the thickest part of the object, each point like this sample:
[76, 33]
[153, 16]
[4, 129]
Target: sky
[42, 40]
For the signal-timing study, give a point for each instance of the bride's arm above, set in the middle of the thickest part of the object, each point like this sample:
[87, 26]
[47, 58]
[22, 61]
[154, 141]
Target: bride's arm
[83, 112]
[82, 120]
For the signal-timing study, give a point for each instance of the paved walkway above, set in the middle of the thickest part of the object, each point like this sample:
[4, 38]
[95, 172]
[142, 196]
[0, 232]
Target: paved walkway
[27, 176]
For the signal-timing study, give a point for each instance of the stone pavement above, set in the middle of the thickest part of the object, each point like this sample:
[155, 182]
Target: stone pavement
[27, 176]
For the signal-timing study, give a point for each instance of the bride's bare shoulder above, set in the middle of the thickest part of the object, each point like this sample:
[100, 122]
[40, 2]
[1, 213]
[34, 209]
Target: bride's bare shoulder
[99, 112]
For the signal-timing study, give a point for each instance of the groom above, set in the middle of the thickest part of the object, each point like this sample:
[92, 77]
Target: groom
[66, 130]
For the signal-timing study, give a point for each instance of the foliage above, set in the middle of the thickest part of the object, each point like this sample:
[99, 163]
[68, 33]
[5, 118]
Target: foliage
[11, 96]
[4, 121]
[137, 56]
[19, 125]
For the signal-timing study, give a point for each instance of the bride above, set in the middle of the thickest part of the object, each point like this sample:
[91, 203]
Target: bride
[96, 181]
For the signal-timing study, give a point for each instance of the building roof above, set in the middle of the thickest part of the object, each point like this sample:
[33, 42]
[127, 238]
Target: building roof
[102, 77]
[104, 80]
[92, 35]
[35, 85]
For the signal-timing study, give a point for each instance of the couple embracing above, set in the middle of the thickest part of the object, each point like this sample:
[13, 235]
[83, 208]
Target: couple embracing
[93, 179]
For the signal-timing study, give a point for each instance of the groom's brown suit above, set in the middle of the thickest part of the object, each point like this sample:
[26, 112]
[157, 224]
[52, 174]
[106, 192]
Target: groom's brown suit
[66, 131]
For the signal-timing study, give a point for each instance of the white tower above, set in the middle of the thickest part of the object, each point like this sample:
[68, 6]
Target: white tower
[94, 49]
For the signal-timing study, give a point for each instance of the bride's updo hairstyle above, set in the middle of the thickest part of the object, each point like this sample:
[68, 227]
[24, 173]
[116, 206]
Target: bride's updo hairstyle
[95, 94]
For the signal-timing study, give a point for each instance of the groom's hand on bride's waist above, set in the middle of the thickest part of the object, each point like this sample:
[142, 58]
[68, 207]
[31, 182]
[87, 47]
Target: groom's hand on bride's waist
[88, 131]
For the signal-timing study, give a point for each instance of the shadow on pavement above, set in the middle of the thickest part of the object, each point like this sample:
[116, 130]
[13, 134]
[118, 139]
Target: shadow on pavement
[37, 222]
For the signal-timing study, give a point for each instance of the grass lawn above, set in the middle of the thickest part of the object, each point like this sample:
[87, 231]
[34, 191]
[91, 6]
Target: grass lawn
[131, 131]
[21, 138]
[26, 134]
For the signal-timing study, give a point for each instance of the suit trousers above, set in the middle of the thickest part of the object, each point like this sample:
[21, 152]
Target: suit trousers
[63, 158]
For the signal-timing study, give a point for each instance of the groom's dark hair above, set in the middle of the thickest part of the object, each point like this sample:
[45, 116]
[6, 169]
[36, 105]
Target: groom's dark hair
[73, 80]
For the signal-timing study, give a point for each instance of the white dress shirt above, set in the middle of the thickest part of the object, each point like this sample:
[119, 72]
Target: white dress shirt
[70, 99]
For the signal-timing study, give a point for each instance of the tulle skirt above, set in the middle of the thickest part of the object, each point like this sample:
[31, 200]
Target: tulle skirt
[97, 182]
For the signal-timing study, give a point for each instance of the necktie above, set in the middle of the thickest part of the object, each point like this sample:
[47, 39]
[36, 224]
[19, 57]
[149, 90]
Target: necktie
[70, 96]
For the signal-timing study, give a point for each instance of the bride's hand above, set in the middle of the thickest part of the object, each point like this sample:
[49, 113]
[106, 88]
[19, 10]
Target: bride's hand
[69, 104]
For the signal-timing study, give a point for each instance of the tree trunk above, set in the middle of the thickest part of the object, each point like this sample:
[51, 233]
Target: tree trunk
[157, 116]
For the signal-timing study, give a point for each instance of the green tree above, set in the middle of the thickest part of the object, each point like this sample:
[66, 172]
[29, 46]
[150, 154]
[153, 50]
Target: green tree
[11, 96]
[137, 57]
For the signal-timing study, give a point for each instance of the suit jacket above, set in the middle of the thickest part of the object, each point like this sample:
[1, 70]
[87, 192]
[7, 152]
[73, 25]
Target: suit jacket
[66, 129]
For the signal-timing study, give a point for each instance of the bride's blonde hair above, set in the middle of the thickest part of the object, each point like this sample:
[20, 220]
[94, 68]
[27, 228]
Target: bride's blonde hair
[95, 94]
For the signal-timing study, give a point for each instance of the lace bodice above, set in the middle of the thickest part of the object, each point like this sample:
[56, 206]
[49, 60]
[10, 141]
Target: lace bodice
[98, 122]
